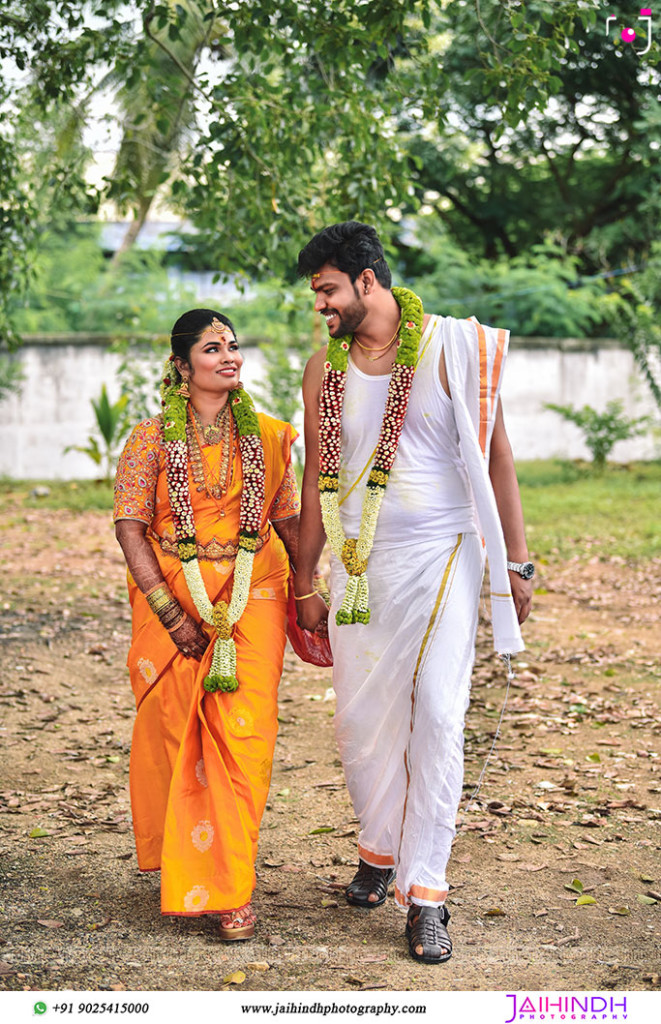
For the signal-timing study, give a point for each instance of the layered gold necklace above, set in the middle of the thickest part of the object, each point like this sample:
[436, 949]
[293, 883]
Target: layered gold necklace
[219, 432]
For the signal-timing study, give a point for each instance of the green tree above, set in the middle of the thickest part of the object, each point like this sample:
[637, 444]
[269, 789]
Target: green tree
[308, 121]
[585, 166]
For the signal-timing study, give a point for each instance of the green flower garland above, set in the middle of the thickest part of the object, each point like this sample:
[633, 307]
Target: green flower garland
[354, 552]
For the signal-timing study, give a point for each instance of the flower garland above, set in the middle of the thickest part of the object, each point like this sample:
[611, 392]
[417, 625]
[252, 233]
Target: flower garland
[221, 615]
[354, 552]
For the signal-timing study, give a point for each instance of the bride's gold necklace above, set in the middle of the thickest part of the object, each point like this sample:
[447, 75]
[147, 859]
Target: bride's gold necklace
[380, 351]
[221, 433]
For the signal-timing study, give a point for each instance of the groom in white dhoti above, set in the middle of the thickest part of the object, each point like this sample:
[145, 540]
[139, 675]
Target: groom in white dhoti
[410, 476]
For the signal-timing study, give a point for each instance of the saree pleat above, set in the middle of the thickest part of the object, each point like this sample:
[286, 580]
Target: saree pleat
[201, 762]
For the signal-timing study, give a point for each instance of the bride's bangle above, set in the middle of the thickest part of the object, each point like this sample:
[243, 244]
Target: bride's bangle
[304, 596]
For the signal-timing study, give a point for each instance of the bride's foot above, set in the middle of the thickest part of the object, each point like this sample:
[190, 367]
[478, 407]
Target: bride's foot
[239, 924]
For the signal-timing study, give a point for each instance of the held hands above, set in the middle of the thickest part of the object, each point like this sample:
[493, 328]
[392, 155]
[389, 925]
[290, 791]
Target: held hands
[312, 614]
[190, 639]
[522, 594]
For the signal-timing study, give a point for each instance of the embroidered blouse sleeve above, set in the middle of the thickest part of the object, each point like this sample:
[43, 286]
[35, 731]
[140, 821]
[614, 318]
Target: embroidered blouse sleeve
[137, 473]
[286, 502]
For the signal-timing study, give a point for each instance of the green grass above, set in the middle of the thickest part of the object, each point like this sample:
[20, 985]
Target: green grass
[75, 495]
[571, 511]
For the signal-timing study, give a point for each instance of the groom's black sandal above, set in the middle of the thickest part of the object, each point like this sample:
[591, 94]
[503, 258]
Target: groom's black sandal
[426, 927]
[366, 881]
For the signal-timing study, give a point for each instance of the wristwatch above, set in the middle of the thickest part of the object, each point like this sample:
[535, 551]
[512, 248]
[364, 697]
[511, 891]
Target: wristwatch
[525, 569]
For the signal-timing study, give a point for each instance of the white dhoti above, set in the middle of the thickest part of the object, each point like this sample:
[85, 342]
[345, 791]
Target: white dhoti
[402, 685]
[403, 680]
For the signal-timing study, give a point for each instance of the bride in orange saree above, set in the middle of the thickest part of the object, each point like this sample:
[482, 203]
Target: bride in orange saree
[206, 513]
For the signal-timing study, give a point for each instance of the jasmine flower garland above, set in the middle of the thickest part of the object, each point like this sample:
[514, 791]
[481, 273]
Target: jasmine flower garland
[221, 615]
[354, 552]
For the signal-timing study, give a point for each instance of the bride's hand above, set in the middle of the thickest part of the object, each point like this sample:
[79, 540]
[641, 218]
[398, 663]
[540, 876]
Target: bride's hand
[190, 639]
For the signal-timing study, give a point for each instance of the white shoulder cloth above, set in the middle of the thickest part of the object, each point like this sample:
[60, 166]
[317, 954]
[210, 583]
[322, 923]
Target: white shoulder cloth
[474, 359]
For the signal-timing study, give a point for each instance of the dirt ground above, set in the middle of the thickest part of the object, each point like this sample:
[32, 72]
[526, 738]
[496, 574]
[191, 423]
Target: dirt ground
[569, 807]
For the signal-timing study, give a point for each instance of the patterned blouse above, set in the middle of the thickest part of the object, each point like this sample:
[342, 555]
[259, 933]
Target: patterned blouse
[143, 459]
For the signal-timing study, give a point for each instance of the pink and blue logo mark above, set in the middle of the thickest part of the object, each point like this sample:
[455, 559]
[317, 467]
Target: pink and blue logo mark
[628, 35]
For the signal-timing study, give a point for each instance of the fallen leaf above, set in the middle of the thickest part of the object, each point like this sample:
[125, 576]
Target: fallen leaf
[257, 965]
[620, 911]
[100, 924]
[495, 912]
[648, 901]
[508, 856]
[576, 886]
[531, 867]
[236, 978]
[321, 830]
[584, 901]
[540, 913]
[38, 833]
[329, 903]
[51, 924]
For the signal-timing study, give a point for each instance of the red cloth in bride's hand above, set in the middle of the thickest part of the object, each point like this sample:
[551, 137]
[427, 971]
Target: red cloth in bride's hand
[310, 647]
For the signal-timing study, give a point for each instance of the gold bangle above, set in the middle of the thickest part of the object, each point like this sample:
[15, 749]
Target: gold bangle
[177, 625]
[159, 597]
[304, 596]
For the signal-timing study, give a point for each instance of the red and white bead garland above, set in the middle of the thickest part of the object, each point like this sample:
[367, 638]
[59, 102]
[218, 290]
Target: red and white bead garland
[354, 552]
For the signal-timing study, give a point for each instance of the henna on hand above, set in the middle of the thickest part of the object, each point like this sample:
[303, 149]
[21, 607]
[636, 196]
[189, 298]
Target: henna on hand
[190, 639]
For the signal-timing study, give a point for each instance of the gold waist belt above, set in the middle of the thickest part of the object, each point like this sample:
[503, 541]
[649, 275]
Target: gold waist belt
[214, 551]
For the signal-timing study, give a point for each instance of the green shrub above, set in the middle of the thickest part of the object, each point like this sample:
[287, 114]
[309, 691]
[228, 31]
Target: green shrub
[602, 430]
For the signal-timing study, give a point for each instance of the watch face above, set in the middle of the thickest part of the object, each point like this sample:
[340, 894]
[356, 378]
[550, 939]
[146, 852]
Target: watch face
[527, 570]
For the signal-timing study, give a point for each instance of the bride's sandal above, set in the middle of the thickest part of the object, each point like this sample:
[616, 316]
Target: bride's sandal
[236, 925]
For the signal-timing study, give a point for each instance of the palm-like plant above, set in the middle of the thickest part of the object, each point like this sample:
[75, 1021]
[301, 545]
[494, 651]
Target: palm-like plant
[158, 107]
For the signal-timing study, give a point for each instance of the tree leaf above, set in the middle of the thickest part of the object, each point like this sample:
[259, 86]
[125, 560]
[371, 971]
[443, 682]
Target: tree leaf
[495, 912]
[38, 833]
[50, 924]
[646, 900]
[235, 978]
[321, 830]
[584, 901]
[620, 911]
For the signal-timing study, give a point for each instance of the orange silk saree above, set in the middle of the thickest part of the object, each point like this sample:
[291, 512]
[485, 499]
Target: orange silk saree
[201, 762]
